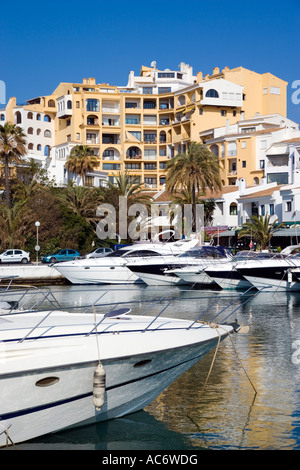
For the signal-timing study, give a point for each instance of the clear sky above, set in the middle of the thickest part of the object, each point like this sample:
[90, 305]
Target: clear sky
[45, 43]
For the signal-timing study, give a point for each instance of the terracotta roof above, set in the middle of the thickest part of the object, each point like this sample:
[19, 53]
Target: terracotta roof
[166, 196]
[263, 193]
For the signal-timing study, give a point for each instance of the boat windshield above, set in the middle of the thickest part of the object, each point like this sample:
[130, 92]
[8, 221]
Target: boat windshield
[213, 252]
[133, 253]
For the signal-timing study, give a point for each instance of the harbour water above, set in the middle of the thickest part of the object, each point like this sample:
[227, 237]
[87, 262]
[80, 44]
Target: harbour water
[251, 400]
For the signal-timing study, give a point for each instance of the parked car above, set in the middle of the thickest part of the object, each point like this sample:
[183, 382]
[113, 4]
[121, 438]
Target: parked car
[15, 256]
[99, 252]
[61, 255]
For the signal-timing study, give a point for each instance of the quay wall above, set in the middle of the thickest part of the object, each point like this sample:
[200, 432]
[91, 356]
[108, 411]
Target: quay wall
[30, 273]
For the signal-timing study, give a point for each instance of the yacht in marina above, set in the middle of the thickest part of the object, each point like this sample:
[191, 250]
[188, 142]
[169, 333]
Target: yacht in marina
[113, 268]
[166, 271]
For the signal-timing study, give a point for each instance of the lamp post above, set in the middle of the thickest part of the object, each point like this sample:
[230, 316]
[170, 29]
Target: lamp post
[37, 248]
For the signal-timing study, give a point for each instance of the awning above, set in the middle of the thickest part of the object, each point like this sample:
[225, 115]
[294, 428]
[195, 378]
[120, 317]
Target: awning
[228, 233]
[189, 109]
[287, 232]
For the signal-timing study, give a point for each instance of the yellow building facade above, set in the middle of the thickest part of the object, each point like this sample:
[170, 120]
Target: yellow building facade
[139, 127]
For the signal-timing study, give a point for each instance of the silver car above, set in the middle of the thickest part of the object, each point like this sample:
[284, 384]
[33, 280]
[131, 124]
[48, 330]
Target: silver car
[99, 253]
[15, 256]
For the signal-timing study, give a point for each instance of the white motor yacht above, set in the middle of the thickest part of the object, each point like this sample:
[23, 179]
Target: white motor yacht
[60, 369]
[167, 270]
[112, 269]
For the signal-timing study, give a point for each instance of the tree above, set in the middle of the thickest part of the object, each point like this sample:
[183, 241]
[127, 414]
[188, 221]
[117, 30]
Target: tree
[82, 201]
[133, 191]
[12, 148]
[260, 229]
[81, 161]
[196, 170]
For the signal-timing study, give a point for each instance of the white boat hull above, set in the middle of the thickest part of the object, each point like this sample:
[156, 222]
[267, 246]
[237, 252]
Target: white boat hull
[93, 274]
[139, 360]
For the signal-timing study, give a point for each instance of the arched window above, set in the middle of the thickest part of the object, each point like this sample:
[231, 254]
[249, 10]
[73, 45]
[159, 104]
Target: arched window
[39, 147]
[30, 130]
[18, 117]
[30, 146]
[215, 149]
[38, 117]
[47, 133]
[51, 104]
[212, 93]
[69, 104]
[30, 116]
[38, 131]
[47, 118]
[47, 151]
[2, 117]
[233, 208]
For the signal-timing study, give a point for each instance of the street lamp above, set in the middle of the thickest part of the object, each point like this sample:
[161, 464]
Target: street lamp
[37, 248]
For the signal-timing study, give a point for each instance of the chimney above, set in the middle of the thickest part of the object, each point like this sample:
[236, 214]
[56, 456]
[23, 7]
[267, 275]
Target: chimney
[199, 77]
[216, 70]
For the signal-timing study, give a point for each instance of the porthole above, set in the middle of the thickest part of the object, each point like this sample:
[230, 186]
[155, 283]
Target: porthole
[47, 382]
[142, 363]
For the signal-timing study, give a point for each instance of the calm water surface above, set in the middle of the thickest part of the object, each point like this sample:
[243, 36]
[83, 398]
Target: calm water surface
[252, 397]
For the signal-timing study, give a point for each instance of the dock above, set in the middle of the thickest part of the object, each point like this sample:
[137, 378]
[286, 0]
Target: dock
[32, 274]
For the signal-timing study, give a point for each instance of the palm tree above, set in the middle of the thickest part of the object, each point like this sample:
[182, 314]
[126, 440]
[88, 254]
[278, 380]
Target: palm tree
[260, 229]
[197, 170]
[82, 201]
[12, 148]
[81, 161]
[133, 191]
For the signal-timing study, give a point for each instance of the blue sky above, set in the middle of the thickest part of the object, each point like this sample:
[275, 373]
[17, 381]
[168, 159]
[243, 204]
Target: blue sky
[45, 43]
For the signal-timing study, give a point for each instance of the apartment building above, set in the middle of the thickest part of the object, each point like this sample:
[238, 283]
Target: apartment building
[140, 126]
[263, 146]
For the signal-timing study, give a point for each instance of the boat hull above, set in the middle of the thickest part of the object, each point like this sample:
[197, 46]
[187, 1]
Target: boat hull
[47, 382]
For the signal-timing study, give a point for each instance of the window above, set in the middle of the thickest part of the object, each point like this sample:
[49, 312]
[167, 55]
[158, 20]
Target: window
[39, 147]
[232, 149]
[201, 111]
[244, 164]
[47, 118]
[47, 133]
[18, 118]
[89, 181]
[150, 166]
[274, 90]
[163, 165]
[148, 90]
[271, 208]
[223, 112]
[77, 104]
[261, 164]
[30, 130]
[47, 151]
[149, 104]
[29, 116]
[111, 166]
[149, 138]
[244, 145]
[233, 209]
[164, 90]
[132, 119]
[288, 206]
[51, 104]
[262, 209]
[30, 146]
[132, 166]
[69, 104]
[212, 93]
[77, 136]
[166, 75]
[92, 105]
